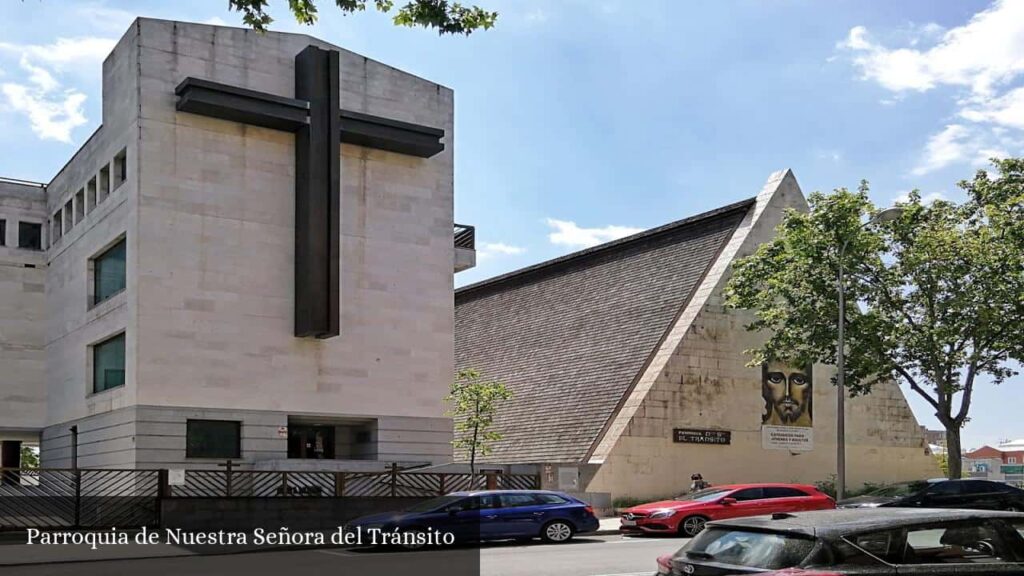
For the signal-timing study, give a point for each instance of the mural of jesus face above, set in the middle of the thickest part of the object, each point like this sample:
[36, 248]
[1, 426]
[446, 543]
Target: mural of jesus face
[787, 392]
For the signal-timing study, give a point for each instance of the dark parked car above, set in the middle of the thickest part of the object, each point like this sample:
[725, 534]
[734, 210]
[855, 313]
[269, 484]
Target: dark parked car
[492, 515]
[972, 494]
[868, 541]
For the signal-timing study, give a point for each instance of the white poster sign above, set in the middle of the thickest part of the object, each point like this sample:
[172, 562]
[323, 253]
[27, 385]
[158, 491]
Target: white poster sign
[792, 438]
[176, 477]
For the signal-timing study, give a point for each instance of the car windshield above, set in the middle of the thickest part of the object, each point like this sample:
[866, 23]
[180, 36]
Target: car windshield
[901, 489]
[704, 495]
[763, 550]
[434, 504]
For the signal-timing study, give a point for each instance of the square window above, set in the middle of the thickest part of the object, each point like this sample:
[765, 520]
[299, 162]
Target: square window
[109, 273]
[120, 168]
[30, 235]
[56, 229]
[213, 439]
[108, 364]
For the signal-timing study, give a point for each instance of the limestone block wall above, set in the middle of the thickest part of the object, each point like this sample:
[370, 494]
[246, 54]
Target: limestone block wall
[73, 323]
[704, 383]
[22, 315]
[216, 234]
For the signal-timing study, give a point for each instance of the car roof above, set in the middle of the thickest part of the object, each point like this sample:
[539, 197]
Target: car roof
[835, 523]
[760, 485]
[484, 492]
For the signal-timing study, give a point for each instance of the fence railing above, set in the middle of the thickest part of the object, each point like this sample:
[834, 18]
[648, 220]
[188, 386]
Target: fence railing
[390, 484]
[465, 236]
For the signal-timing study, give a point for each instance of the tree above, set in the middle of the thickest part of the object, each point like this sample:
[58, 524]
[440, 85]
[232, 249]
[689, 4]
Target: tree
[447, 17]
[29, 458]
[939, 292]
[473, 401]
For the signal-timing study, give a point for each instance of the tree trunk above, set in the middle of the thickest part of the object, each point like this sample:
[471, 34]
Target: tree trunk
[953, 452]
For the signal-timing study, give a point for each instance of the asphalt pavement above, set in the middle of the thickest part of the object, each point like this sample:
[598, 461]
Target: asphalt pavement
[609, 555]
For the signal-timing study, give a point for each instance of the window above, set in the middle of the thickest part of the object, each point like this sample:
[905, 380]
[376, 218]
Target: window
[90, 195]
[763, 550]
[947, 488]
[30, 235]
[516, 500]
[80, 206]
[550, 499]
[108, 364]
[3, 232]
[213, 439]
[69, 221]
[120, 168]
[109, 273]
[747, 494]
[783, 492]
[55, 227]
[104, 184]
[1011, 460]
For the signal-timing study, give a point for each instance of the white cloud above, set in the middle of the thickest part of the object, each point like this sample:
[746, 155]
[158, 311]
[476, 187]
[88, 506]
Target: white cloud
[215, 21]
[53, 110]
[567, 233]
[537, 16]
[833, 155]
[944, 148]
[65, 54]
[983, 59]
[489, 250]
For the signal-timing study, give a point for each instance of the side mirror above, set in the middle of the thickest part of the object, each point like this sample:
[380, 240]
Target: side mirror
[728, 501]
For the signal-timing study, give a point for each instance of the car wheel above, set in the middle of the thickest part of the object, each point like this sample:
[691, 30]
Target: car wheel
[557, 531]
[692, 525]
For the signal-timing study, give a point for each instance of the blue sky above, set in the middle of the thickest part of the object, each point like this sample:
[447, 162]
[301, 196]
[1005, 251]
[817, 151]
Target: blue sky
[578, 121]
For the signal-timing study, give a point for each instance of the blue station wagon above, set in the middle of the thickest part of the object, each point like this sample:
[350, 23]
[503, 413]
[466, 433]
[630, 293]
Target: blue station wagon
[492, 515]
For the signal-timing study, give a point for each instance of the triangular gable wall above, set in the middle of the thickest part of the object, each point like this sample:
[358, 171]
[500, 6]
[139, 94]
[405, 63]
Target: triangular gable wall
[698, 379]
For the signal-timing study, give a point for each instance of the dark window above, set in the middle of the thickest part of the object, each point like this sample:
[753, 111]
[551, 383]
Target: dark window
[782, 492]
[109, 273]
[515, 500]
[57, 229]
[984, 487]
[747, 494]
[30, 235]
[108, 364]
[213, 439]
[961, 543]
[550, 499]
[949, 488]
[764, 550]
[3, 232]
[120, 169]
[886, 545]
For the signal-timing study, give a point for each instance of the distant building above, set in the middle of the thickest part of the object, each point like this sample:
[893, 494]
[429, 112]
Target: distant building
[935, 437]
[1003, 464]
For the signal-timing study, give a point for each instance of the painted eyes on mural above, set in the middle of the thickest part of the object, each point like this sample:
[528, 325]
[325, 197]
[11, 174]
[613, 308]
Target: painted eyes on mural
[798, 380]
[776, 378]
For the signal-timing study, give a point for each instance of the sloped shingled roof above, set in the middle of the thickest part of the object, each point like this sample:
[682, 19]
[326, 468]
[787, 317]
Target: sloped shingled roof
[570, 336]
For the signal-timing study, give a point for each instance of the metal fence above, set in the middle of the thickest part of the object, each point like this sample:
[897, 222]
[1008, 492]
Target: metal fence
[51, 498]
[94, 498]
[391, 484]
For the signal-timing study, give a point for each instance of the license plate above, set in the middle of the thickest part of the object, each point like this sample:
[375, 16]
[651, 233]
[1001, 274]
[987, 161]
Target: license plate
[629, 522]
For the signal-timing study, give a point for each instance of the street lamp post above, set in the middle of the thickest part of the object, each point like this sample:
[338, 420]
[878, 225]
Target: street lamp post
[887, 215]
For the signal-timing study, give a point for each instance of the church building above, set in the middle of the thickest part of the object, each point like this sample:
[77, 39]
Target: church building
[251, 259]
[628, 375]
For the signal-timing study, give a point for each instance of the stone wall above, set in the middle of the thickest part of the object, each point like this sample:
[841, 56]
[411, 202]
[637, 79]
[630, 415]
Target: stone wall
[702, 382]
[22, 315]
[217, 221]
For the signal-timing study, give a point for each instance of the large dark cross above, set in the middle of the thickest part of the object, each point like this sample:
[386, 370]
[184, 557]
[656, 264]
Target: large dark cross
[319, 124]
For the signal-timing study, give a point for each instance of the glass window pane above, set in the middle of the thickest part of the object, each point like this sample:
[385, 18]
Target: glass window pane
[30, 235]
[3, 232]
[213, 439]
[108, 364]
[109, 272]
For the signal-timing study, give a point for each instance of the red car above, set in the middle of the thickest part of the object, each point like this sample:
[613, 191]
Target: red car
[687, 514]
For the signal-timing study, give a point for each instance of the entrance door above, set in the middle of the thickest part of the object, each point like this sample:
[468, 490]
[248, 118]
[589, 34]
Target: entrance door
[313, 442]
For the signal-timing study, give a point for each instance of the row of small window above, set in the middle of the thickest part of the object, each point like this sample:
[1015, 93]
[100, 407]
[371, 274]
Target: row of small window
[30, 235]
[81, 203]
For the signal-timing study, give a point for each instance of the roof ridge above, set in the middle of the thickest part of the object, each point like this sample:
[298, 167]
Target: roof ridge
[586, 252]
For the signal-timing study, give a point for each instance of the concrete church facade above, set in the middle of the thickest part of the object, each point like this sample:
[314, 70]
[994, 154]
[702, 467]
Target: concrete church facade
[650, 383]
[220, 276]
